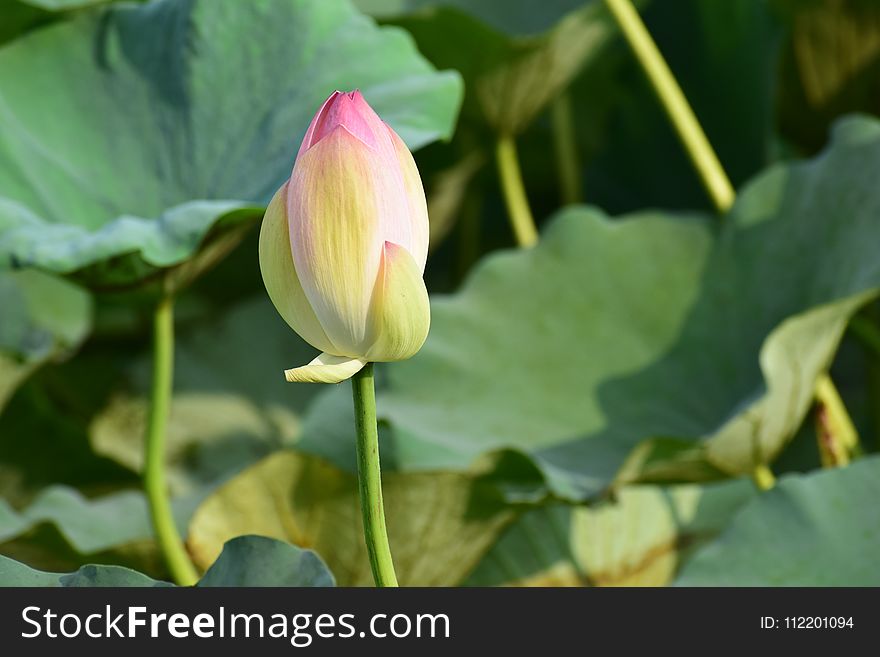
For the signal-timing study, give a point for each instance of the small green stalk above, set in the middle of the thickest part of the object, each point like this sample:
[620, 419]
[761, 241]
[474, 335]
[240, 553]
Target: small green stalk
[837, 435]
[170, 544]
[700, 151]
[672, 98]
[564, 142]
[370, 477]
[763, 477]
[514, 193]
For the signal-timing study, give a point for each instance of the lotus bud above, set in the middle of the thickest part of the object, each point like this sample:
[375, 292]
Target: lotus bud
[344, 242]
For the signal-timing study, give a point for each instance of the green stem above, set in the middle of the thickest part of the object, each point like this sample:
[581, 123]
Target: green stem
[370, 477]
[672, 98]
[841, 440]
[565, 145]
[170, 543]
[763, 477]
[514, 193]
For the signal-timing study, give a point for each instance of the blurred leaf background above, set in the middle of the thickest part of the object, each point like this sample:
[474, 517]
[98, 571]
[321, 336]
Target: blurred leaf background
[585, 412]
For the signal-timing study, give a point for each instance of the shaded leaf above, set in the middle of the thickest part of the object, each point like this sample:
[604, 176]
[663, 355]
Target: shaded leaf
[245, 561]
[719, 339]
[13, 573]
[515, 57]
[260, 561]
[88, 525]
[818, 529]
[20, 16]
[513, 17]
[439, 524]
[43, 318]
[231, 404]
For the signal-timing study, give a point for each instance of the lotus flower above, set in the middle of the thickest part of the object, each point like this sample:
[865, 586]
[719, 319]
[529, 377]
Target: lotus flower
[344, 242]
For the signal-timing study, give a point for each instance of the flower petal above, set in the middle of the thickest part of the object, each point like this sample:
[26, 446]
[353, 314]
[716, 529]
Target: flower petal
[325, 369]
[401, 314]
[280, 279]
[337, 196]
[340, 109]
[418, 207]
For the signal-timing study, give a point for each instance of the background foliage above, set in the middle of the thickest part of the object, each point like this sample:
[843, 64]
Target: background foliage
[585, 412]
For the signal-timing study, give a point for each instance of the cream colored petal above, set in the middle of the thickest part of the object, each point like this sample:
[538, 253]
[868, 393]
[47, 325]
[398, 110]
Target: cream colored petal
[401, 314]
[418, 207]
[339, 195]
[280, 279]
[325, 369]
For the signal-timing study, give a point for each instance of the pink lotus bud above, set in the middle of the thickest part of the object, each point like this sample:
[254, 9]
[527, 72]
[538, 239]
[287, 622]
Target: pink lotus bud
[344, 242]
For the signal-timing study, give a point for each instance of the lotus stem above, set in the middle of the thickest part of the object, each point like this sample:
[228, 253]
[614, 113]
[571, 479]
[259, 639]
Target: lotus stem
[514, 192]
[837, 435]
[170, 543]
[370, 477]
[675, 104]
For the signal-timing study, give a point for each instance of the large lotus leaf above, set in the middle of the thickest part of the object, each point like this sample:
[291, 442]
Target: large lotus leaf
[88, 525]
[639, 539]
[515, 57]
[42, 318]
[179, 119]
[14, 573]
[818, 529]
[439, 524]
[62, 529]
[244, 561]
[261, 561]
[611, 333]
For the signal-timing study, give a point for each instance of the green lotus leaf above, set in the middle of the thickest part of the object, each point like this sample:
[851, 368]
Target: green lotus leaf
[816, 529]
[134, 135]
[88, 525]
[638, 539]
[650, 328]
[261, 561]
[14, 573]
[244, 561]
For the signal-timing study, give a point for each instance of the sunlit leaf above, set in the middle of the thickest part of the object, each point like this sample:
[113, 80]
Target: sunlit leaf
[638, 539]
[439, 524]
[133, 134]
